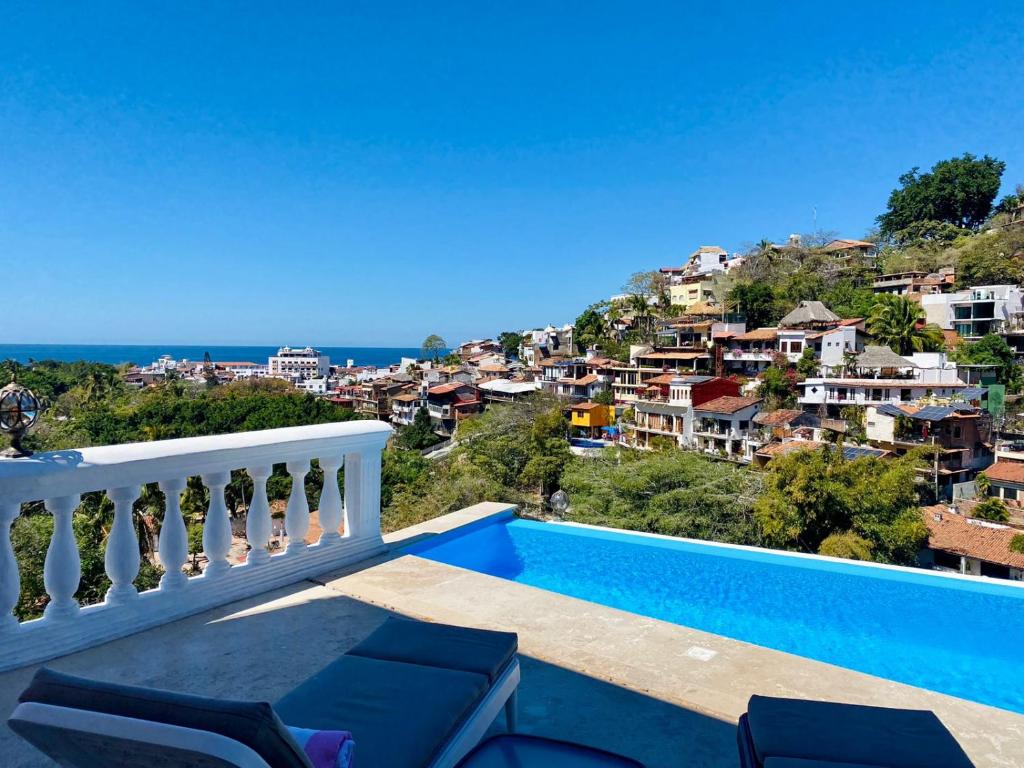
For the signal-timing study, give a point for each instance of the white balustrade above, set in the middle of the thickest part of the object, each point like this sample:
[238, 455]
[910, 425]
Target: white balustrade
[296, 515]
[257, 519]
[217, 526]
[63, 566]
[60, 478]
[173, 536]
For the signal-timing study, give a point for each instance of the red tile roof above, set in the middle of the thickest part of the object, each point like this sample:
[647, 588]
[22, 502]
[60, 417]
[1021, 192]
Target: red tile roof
[758, 334]
[586, 406]
[444, 389]
[728, 404]
[777, 418]
[781, 449]
[1007, 471]
[971, 538]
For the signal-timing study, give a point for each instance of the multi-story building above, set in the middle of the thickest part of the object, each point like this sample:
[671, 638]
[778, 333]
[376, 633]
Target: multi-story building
[590, 418]
[916, 283]
[665, 408]
[752, 351]
[978, 311]
[725, 427]
[449, 403]
[961, 434]
[404, 407]
[373, 398]
[293, 363]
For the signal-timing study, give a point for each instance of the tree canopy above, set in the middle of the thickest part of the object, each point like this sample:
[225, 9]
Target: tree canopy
[433, 346]
[899, 323]
[958, 191]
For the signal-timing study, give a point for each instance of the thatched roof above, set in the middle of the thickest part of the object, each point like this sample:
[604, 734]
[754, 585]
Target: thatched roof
[810, 312]
[882, 357]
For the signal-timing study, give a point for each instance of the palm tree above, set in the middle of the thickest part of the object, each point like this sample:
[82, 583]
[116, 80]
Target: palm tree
[642, 315]
[899, 323]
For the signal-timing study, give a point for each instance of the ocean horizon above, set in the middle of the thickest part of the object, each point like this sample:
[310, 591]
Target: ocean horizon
[143, 354]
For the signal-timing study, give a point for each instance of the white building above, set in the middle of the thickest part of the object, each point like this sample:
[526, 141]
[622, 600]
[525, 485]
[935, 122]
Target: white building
[724, 426]
[977, 311]
[292, 363]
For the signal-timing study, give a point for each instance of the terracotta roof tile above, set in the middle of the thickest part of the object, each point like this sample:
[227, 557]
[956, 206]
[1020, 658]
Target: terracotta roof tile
[758, 334]
[778, 418]
[1007, 471]
[727, 404]
[971, 538]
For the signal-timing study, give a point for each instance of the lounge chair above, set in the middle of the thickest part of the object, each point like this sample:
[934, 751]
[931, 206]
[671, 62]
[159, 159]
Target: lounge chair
[413, 694]
[795, 733]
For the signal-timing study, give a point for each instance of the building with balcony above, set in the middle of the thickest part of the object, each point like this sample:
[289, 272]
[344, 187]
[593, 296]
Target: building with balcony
[449, 403]
[961, 434]
[294, 363]
[724, 427]
[977, 311]
[665, 408]
[373, 397]
[752, 351]
[405, 406]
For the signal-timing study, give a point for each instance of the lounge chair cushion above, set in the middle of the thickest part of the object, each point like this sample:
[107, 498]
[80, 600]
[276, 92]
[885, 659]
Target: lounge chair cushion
[252, 723]
[848, 733]
[483, 651]
[399, 714]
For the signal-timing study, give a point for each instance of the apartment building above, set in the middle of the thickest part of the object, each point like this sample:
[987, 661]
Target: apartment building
[665, 408]
[293, 363]
[725, 427]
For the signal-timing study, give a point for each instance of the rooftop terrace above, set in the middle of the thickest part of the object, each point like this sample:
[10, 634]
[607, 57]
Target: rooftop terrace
[663, 693]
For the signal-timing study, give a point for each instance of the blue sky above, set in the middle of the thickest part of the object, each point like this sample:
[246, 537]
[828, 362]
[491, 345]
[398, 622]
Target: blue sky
[364, 173]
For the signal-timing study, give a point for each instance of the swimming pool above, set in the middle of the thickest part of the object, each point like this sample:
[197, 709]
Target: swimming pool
[964, 637]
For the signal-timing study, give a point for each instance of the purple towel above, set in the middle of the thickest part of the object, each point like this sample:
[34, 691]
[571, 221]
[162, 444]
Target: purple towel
[325, 749]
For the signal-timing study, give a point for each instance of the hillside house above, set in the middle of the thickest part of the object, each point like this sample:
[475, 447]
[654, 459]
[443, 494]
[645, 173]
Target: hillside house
[723, 426]
[450, 403]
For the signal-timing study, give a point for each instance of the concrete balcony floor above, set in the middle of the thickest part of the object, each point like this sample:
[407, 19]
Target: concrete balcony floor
[592, 674]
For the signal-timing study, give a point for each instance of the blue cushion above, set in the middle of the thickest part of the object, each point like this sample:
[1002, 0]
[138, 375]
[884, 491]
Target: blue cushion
[400, 715]
[251, 723]
[850, 733]
[440, 645]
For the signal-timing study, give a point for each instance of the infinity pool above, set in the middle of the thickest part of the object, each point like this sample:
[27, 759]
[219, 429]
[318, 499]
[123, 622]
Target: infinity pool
[957, 636]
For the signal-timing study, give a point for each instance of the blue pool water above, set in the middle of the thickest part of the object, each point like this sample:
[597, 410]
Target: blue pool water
[957, 636]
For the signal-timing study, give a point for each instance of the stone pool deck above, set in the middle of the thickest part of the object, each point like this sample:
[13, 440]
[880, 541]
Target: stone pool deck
[665, 694]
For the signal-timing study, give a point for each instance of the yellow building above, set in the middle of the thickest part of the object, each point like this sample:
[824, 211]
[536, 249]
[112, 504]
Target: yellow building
[691, 290]
[590, 417]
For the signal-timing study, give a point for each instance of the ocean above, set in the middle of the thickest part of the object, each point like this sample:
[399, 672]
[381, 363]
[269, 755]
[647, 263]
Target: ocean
[143, 354]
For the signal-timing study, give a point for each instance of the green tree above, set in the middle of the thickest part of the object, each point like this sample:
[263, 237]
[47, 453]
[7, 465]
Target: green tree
[510, 341]
[807, 365]
[991, 349]
[420, 434]
[604, 397]
[811, 495]
[432, 347]
[1017, 543]
[991, 508]
[991, 258]
[757, 302]
[958, 191]
[899, 323]
[847, 545]
[778, 384]
[589, 328]
[982, 483]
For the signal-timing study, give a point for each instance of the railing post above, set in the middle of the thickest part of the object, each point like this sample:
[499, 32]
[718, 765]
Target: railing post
[330, 499]
[62, 568]
[296, 515]
[362, 494]
[217, 528]
[10, 578]
[122, 556]
[258, 524]
[173, 537]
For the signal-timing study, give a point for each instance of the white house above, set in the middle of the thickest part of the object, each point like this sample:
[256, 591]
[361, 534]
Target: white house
[724, 426]
[290, 363]
[977, 311]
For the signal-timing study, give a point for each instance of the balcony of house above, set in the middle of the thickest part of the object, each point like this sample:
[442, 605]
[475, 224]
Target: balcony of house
[257, 626]
[437, 411]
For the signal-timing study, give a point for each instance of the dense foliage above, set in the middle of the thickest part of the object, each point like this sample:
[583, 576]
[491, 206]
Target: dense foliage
[812, 495]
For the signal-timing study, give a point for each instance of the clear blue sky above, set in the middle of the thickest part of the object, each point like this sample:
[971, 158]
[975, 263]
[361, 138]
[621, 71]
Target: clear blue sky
[366, 173]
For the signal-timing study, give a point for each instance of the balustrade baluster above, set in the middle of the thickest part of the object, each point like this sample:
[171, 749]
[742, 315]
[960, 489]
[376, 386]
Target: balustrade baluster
[62, 569]
[257, 520]
[296, 516]
[173, 537]
[362, 494]
[10, 578]
[330, 499]
[122, 556]
[217, 528]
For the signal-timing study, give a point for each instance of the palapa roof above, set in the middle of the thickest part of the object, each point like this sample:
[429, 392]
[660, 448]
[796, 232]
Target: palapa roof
[703, 309]
[882, 357]
[810, 312]
[968, 537]
[843, 244]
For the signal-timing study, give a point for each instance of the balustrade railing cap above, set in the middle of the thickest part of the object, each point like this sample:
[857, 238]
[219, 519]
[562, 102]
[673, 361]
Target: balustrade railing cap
[61, 473]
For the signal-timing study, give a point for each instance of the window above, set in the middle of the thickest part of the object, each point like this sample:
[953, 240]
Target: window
[1010, 494]
[796, 346]
[957, 431]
